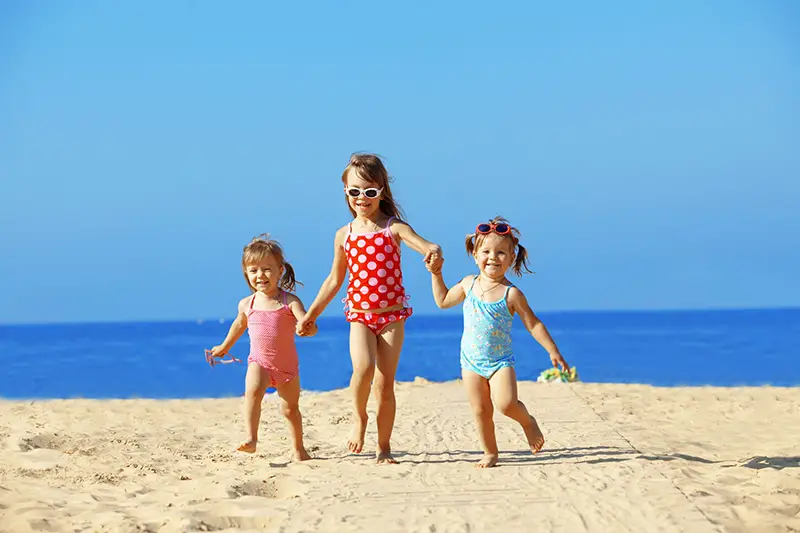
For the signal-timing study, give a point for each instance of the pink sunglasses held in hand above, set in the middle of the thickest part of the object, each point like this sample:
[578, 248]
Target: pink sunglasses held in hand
[211, 360]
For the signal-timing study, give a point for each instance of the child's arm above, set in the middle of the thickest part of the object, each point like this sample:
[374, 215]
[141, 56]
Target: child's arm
[519, 304]
[407, 234]
[443, 297]
[330, 286]
[299, 312]
[238, 327]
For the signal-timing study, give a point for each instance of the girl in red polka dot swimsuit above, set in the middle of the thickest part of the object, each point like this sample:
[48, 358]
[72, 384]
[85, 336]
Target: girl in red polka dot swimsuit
[376, 282]
[367, 251]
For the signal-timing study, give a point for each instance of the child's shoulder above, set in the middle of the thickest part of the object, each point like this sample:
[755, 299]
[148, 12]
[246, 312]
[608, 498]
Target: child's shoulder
[467, 280]
[514, 292]
[395, 224]
[394, 221]
[292, 298]
[244, 303]
[341, 233]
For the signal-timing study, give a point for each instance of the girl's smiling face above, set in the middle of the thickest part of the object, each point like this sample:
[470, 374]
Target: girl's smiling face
[494, 255]
[264, 275]
[362, 205]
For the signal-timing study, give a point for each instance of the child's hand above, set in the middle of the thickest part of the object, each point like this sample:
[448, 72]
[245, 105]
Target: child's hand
[434, 252]
[218, 351]
[558, 360]
[312, 330]
[304, 326]
[434, 266]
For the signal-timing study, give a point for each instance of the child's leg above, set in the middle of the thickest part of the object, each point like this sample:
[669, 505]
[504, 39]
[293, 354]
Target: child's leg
[289, 394]
[390, 343]
[480, 400]
[363, 347]
[504, 392]
[255, 383]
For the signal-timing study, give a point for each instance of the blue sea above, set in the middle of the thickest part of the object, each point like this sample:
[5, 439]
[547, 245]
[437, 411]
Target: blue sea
[166, 359]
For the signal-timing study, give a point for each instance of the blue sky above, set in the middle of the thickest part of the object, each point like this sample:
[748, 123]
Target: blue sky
[647, 151]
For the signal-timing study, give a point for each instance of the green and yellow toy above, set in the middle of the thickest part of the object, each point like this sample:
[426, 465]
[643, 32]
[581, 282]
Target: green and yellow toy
[554, 374]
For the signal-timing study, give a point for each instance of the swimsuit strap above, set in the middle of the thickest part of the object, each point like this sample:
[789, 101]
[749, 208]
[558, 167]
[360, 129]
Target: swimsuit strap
[505, 294]
[284, 297]
[388, 227]
[252, 300]
[472, 285]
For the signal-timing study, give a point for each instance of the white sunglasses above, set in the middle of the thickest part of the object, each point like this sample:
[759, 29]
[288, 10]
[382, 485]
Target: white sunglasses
[356, 192]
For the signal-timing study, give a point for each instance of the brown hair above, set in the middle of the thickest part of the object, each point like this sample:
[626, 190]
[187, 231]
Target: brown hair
[261, 247]
[474, 241]
[369, 167]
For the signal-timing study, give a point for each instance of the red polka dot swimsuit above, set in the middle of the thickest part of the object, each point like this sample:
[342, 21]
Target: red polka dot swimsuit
[376, 279]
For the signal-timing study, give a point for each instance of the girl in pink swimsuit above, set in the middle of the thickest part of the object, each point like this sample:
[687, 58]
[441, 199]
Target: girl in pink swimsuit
[270, 316]
[367, 251]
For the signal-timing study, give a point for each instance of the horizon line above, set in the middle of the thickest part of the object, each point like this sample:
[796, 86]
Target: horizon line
[418, 314]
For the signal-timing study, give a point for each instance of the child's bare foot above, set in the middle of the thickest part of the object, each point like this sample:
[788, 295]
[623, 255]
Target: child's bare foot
[534, 435]
[356, 441]
[385, 458]
[301, 455]
[489, 460]
[248, 447]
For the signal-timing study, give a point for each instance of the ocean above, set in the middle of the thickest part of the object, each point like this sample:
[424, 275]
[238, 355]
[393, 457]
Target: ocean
[166, 359]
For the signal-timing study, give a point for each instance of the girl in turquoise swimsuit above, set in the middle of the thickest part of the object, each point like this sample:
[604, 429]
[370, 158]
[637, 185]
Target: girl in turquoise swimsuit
[490, 303]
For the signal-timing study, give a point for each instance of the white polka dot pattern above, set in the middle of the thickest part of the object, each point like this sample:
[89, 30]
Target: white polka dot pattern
[373, 260]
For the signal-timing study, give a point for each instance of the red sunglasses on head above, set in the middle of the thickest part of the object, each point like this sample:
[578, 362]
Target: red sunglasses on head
[500, 229]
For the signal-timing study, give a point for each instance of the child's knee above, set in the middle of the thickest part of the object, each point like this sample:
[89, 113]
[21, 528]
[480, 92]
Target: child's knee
[507, 407]
[362, 373]
[289, 410]
[383, 389]
[483, 410]
[254, 393]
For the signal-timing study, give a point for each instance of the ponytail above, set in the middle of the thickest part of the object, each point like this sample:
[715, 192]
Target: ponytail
[288, 280]
[521, 261]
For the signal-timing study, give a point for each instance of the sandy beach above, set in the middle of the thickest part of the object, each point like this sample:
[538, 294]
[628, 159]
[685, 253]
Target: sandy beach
[617, 458]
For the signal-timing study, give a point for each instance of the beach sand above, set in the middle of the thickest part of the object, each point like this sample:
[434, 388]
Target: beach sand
[618, 458]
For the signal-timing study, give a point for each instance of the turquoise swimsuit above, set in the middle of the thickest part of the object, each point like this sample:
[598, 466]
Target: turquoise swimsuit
[486, 342]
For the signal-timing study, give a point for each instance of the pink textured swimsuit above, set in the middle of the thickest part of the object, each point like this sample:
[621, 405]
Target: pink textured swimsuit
[272, 344]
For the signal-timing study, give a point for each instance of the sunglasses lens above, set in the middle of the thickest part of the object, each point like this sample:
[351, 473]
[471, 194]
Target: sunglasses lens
[354, 192]
[502, 229]
[371, 193]
[484, 228]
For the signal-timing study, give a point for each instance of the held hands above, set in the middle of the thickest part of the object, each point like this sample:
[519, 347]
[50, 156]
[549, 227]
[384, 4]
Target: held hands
[433, 259]
[434, 266]
[306, 327]
[433, 252]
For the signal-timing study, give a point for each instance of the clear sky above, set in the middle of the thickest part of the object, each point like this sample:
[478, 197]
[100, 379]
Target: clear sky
[648, 151]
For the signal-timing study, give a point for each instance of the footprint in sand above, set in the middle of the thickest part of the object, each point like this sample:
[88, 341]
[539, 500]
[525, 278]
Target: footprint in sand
[226, 523]
[46, 441]
[267, 488]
